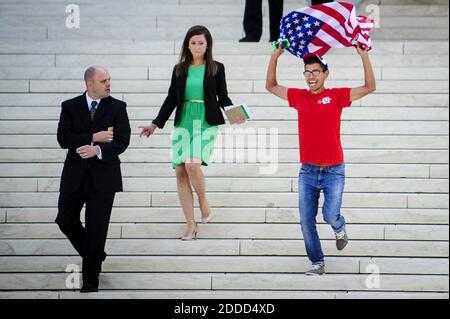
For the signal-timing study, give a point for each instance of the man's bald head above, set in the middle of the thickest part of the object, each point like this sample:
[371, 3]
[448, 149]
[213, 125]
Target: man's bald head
[90, 72]
[97, 82]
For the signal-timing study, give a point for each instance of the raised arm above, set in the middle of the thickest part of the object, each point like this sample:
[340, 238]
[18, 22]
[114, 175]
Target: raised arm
[271, 80]
[369, 78]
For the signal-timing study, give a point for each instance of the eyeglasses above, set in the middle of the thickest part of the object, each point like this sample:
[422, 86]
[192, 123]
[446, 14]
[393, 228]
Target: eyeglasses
[315, 73]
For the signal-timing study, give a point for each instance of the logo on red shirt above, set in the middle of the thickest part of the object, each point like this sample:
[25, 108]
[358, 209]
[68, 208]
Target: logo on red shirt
[325, 100]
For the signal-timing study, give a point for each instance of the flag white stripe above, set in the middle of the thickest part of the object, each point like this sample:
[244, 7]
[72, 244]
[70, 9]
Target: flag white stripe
[327, 19]
[363, 40]
[313, 48]
[330, 40]
[348, 16]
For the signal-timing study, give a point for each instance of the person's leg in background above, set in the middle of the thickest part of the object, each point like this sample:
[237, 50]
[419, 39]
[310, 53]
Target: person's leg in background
[314, 2]
[276, 14]
[253, 21]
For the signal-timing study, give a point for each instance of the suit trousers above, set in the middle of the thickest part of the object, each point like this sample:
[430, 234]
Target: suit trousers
[88, 241]
[314, 2]
[253, 19]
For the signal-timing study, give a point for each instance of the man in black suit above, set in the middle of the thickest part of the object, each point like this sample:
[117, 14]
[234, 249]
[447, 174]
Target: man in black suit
[95, 129]
[253, 20]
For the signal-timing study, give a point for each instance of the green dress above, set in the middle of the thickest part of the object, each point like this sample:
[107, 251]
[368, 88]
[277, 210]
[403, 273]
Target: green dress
[193, 137]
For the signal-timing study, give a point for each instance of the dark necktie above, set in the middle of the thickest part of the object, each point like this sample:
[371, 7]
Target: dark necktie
[93, 109]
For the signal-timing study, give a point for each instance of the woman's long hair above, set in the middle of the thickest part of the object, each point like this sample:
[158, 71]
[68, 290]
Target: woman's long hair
[186, 57]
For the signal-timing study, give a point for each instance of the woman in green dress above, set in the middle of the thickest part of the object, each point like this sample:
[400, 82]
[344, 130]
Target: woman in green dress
[198, 91]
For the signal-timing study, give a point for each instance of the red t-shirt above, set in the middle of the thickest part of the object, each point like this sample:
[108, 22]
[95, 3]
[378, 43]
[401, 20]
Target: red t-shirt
[319, 124]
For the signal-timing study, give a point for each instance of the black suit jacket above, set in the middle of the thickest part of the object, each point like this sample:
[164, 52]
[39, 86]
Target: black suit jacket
[216, 97]
[76, 129]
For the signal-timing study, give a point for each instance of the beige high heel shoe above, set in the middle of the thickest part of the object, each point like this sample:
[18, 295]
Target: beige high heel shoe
[206, 220]
[192, 236]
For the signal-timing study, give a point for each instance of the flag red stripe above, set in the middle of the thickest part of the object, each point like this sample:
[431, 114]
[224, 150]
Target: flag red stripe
[337, 15]
[319, 43]
[328, 29]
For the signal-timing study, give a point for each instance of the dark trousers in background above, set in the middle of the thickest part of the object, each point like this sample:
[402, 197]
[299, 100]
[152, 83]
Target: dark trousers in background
[88, 241]
[253, 19]
[314, 2]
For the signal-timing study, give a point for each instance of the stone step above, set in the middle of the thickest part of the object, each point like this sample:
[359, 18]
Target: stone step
[347, 282]
[257, 114]
[146, 184]
[230, 61]
[193, 9]
[240, 170]
[229, 247]
[409, 33]
[209, 294]
[149, 264]
[223, 156]
[244, 73]
[241, 199]
[237, 215]
[224, 231]
[219, 32]
[291, 200]
[284, 141]
[254, 100]
[224, 48]
[183, 23]
[120, 281]
[43, 231]
[122, 9]
[234, 86]
[288, 127]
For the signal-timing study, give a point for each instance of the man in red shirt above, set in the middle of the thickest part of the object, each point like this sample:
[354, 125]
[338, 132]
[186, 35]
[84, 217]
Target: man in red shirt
[323, 167]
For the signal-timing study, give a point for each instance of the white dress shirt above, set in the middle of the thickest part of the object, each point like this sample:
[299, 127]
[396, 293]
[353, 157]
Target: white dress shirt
[89, 102]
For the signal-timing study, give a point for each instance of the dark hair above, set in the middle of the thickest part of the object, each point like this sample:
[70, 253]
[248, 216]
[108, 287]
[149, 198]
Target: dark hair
[186, 57]
[312, 60]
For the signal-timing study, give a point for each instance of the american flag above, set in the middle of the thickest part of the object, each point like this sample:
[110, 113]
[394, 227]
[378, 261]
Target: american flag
[318, 28]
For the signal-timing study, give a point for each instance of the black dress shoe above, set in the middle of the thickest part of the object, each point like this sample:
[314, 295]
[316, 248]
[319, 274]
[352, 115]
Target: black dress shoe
[248, 40]
[87, 288]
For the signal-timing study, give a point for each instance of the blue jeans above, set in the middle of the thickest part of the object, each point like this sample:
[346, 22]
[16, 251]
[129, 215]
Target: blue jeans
[312, 180]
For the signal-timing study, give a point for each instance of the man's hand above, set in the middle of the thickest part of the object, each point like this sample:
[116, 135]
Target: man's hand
[148, 130]
[88, 151]
[362, 52]
[240, 120]
[103, 137]
[277, 53]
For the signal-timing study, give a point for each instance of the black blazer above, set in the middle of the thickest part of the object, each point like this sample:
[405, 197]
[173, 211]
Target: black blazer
[216, 97]
[75, 129]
